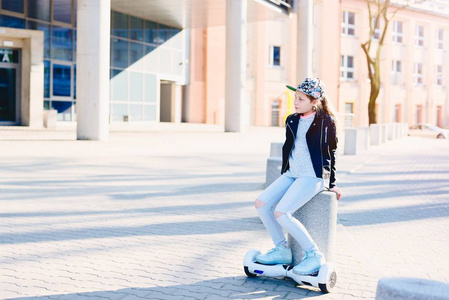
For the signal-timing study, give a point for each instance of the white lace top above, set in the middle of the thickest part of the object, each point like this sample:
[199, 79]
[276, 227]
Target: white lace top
[299, 160]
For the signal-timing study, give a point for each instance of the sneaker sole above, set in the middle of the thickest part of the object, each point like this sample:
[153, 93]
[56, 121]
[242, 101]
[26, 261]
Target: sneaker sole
[312, 273]
[276, 262]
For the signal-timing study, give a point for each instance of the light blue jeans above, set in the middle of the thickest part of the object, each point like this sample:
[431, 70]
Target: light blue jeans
[286, 195]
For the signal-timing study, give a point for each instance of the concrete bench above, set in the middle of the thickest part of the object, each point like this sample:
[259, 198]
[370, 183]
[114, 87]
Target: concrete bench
[403, 288]
[50, 118]
[375, 134]
[319, 216]
[274, 165]
[356, 139]
[276, 149]
[384, 136]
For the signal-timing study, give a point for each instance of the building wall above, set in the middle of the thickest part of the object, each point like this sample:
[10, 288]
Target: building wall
[143, 53]
[398, 91]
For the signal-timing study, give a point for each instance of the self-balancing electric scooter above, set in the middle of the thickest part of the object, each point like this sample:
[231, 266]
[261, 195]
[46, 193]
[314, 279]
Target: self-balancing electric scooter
[324, 279]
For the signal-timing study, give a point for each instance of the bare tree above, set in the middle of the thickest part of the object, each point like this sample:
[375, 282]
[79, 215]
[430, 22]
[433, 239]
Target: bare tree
[385, 10]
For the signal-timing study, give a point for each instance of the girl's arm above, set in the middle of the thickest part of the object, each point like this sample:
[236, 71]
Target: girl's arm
[333, 141]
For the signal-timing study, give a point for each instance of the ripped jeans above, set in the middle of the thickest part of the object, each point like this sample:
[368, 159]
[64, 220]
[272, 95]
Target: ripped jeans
[283, 197]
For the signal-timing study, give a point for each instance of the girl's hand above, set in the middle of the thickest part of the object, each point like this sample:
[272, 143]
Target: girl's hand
[337, 191]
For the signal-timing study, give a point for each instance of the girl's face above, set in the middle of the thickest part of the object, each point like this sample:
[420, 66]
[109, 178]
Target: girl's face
[303, 105]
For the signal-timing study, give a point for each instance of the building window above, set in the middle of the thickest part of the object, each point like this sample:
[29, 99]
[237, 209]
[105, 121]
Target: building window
[275, 105]
[439, 116]
[349, 114]
[61, 43]
[417, 74]
[13, 5]
[348, 23]
[376, 27]
[275, 56]
[62, 80]
[397, 32]
[418, 114]
[396, 72]
[347, 67]
[39, 9]
[439, 43]
[398, 113]
[46, 29]
[62, 11]
[419, 36]
[439, 74]
[13, 22]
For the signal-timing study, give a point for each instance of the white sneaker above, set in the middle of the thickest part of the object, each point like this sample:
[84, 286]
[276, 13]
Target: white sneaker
[277, 255]
[311, 263]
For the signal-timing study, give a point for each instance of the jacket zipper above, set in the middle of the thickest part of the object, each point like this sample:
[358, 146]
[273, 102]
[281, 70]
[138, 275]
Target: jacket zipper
[288, 158]
[321, 148]
[325, 135]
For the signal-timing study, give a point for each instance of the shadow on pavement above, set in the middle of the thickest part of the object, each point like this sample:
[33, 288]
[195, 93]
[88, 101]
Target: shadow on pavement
[239, 287]
[161, 229]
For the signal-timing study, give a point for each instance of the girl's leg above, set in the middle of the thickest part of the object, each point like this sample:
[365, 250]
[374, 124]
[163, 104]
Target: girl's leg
[299, 193]
[265, 204]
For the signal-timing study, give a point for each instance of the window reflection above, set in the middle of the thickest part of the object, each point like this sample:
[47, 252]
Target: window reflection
[39, 9]
[61, 80]
[13, 5]
[136, 29]
[8, 21]
[150, 32]
[61, 43]
[119, 24]
[135, 51]
[46, 79]
[46, 29]
[164, 34]
[62, 11]
[119, 53]
[64, 109]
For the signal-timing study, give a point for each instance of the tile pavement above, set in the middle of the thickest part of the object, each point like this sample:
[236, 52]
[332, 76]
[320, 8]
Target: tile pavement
[166, 212]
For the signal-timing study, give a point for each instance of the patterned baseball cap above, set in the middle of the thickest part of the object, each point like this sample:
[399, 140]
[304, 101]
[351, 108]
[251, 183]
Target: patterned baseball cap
[312, 87]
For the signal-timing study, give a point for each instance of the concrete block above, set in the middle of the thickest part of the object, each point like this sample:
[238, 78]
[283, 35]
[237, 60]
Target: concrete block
[276, 149]
[274, 165]
[383, 128]
[363, 138]
[50, 118]
[403, 288]
[375, 134]
[390, 131]
[319, 216]
[350, 141]
[397, 128]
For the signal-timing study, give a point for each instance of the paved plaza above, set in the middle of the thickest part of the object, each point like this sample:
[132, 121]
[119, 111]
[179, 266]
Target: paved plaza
[166, 211]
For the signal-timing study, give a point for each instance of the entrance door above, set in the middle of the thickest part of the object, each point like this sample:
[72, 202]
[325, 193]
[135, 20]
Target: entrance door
[7, 95]
[9, 87]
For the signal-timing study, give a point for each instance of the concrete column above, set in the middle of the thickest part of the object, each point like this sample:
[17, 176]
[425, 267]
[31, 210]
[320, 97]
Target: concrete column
[305, 39]
[235, 92]
[92, 80]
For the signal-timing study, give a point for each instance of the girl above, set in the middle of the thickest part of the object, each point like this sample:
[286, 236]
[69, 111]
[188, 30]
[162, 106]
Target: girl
[308, 158]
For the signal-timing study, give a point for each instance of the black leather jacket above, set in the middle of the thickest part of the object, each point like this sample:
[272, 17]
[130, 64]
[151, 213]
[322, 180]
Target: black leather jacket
[322, 143]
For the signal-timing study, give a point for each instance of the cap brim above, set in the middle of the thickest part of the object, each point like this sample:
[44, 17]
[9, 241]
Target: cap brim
[291, 88]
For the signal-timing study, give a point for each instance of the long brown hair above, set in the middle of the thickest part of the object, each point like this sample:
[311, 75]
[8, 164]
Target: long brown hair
[324, 107]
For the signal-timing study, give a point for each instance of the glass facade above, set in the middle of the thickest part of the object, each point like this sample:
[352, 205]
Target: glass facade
[134, 62]
[56, 19]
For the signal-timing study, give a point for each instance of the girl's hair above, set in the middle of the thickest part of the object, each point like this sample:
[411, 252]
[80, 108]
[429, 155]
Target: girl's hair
[325, 107]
